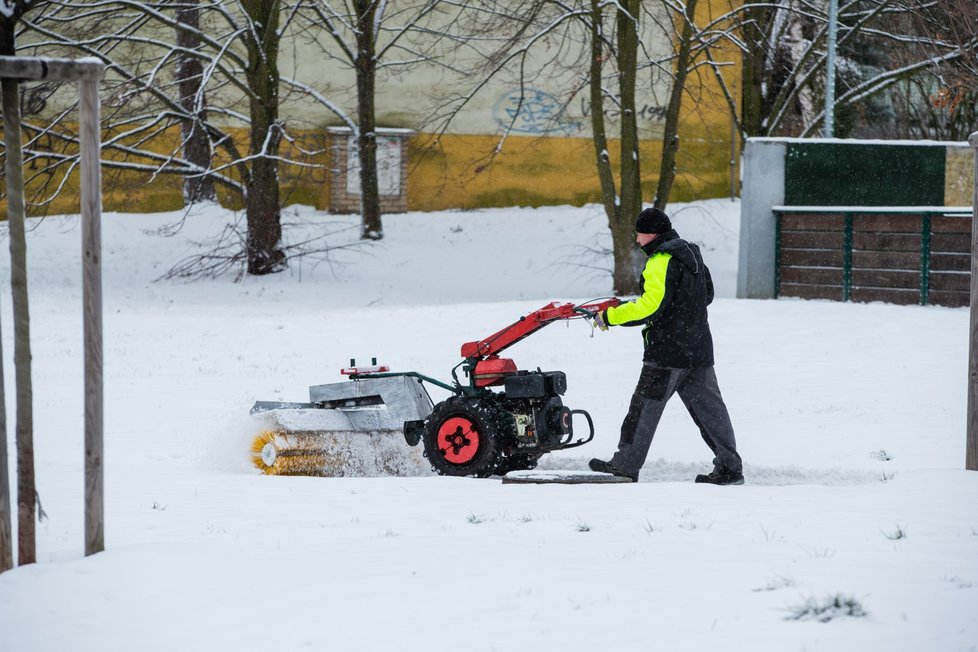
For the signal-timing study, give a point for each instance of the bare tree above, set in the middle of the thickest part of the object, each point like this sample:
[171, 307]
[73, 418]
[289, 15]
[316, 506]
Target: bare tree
[500, 40]
[368, 15]
[236, 45]
[881, 44]
[593, 42]
[621, 206]
[941, 102]
[615, 65]
[670, 133]
[369, 36]
[261, 38]
[192, 99]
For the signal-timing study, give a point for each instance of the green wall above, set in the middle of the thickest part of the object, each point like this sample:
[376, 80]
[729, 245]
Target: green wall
[835, 174]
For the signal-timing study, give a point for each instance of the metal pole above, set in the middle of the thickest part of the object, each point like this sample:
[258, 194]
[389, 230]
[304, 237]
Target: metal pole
[830, 70]
[733, 157]
[91, 211]
[971, 449]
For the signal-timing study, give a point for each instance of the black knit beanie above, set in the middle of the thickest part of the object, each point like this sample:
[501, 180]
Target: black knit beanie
[652, 220]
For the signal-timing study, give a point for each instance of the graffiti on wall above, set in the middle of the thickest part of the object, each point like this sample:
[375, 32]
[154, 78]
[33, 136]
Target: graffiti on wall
[532, 111]
[646, 112]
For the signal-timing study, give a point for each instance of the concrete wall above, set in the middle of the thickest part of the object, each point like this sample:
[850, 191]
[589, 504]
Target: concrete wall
[547, 86]
[763, 187]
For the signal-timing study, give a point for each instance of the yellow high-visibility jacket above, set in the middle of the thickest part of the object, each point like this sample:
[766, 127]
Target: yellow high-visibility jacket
[676, 290]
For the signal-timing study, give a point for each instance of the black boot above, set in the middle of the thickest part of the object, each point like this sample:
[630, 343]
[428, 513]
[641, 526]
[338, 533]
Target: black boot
[605, 467]
[721, 477]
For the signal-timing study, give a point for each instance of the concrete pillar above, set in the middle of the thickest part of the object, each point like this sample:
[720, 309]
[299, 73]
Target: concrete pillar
[763, 187]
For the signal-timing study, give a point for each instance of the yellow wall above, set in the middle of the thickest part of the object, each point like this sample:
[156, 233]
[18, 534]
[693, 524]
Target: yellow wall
[452, 173]
[546, 171]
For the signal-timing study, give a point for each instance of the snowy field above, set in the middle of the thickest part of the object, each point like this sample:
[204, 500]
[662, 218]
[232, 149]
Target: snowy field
[857, 528]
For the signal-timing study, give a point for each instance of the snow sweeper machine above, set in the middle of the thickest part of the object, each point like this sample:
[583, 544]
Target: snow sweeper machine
[500, 419]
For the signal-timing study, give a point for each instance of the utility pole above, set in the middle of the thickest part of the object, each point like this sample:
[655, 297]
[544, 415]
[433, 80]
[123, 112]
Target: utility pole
[971, 449]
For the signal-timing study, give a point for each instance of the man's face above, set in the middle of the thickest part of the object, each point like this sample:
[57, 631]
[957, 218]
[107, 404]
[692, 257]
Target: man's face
[642, 239]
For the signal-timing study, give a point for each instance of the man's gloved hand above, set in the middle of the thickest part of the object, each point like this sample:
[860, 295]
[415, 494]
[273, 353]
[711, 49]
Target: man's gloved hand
[599, 321]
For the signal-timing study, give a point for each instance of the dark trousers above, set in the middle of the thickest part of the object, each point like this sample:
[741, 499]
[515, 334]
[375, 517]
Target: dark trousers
[700, 392]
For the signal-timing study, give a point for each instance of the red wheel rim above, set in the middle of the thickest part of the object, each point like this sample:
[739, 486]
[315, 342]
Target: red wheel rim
[458, 440]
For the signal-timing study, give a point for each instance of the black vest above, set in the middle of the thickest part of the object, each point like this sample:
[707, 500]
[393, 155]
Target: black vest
[678, 334]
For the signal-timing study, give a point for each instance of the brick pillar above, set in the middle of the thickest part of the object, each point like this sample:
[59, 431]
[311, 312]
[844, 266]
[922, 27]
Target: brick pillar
[344, 170]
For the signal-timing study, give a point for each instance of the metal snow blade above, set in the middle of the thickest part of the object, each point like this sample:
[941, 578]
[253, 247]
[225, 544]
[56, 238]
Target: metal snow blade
[346, 428]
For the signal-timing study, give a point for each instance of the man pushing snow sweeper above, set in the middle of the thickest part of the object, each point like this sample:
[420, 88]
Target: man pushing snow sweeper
[676, 290]
[500, 418]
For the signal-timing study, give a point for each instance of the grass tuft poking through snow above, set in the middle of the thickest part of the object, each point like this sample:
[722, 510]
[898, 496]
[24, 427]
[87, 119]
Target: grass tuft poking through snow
[827, 609]
[776, 584]
[899, 533]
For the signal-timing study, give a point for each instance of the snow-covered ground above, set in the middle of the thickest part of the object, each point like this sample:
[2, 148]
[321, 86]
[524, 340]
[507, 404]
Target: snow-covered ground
[850, 419]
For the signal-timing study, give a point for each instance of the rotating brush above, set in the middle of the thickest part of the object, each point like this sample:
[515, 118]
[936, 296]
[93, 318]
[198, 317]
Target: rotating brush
[275, 452]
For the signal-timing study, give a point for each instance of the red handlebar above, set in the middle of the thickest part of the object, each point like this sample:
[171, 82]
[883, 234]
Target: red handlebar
[531, 323]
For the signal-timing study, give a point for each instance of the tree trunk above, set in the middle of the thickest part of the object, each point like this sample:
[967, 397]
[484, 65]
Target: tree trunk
[26, 490]
[366, 67]
[6, 533]
[629, 262]
[797, 47]
[262, 204]
[752, 94]
[670, 135]
[609, 195]
[196, 144]
[621, 210]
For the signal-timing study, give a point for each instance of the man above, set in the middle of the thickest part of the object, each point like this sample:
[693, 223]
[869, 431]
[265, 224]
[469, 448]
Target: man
[676, 290]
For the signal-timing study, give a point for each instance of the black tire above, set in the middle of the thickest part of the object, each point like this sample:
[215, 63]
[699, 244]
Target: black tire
[461, 437]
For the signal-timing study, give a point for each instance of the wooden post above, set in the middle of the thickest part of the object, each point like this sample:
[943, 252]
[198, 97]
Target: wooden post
[91, 211]
[88, 73]
[52, 69]
[971, 449]
[6, 533]
[26, 490]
